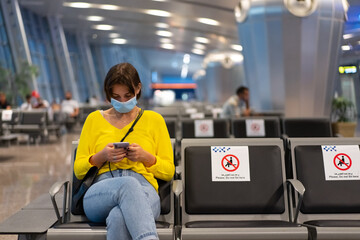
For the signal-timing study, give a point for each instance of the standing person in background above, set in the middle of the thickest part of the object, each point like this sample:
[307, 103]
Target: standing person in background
[4, 104]
[237, 105]
[70, 106]
[125, 193]
[26, 106]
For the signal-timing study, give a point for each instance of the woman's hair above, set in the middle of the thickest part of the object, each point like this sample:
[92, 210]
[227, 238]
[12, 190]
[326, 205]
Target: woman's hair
[124, 74]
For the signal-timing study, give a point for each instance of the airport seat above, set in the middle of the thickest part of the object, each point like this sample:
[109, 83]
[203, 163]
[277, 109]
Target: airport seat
[302, 127]
[32, 123]
[306, 127]
[71, 226]
[220, 128]
[168, 111]
[5, 135]
[330, 207]
[8, 125]
[268, 127]
[171, 124]
[33, 220]
[84, 111]
[54, 126]
[235, 209]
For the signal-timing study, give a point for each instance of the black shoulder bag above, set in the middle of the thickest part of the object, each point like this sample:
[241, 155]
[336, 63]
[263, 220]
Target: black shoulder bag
[83, 185]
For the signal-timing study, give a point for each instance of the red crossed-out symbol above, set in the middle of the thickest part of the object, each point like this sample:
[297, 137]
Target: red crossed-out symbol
[204, 127]
[342, 161]
[255, 127]
[230, 163]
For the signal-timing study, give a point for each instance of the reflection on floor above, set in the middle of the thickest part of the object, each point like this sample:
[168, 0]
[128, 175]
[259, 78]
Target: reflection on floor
[28, 171]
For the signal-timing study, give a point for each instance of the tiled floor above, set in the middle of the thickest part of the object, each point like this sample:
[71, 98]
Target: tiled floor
[28, 171]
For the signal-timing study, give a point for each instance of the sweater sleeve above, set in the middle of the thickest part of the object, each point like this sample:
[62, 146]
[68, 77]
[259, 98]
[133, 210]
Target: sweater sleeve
[164, 167]
[83, 153]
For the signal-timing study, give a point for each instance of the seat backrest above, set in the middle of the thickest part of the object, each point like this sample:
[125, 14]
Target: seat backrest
[168, 111]
[33, 117]
[217, 185]
[329, 169]
[248, 127]
[221, 128]
[307, 127]
[165, 193]
[171, 124]
[15, 118]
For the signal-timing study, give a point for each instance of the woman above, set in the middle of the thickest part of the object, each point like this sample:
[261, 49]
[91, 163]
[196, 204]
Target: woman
[124, 194]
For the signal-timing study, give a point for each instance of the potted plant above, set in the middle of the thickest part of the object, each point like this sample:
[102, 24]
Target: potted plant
[343, 116]
[16, 85]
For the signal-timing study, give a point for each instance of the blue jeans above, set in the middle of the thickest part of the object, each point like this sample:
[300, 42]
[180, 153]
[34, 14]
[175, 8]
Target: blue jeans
[128, 204]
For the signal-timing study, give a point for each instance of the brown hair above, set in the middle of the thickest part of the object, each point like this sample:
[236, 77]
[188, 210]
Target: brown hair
[124, 74]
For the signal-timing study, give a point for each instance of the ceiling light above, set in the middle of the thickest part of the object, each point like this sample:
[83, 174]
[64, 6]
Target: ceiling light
[237, 47]
[165, 40]
[119, 41]
[208, 21]
[114, 35]
[347, 36]
[77, 4]
[162, 25]
[186, 59]
[94, 18]
[198, 51]
[159, 13]
[199, 46]
[103, 27]
[167, 46]
[164, 33]
[109, 7]
[345, 47]
[202, 40]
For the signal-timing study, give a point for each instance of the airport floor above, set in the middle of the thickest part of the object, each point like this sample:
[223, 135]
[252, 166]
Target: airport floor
[28, 171]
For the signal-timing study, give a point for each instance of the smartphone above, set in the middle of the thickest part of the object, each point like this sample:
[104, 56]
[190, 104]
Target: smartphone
[121, 144]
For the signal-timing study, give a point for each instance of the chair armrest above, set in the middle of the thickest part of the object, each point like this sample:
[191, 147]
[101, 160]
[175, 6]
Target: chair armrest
[300, 189]
[54, 190]
[177, 187]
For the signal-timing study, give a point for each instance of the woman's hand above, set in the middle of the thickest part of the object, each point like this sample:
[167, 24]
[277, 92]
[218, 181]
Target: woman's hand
[137, 154]
[111, 154]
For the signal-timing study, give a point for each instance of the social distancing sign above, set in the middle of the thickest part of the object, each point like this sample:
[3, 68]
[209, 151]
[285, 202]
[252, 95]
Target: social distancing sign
[255, 127]
[341, 162]
[204, 128]
[6, 115]
[230, 163]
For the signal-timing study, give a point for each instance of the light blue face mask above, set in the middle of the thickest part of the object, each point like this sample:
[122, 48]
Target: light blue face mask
[124, 107]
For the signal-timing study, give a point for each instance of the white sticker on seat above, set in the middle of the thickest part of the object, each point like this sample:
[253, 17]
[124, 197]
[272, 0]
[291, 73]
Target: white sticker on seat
[341, 162]
[204, 128]
[6, 115]
[230, 164]
[255, 127]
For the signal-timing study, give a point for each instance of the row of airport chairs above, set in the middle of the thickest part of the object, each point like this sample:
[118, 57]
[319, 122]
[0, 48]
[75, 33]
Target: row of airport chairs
[235, 189]
[272, 127]
[35, 123]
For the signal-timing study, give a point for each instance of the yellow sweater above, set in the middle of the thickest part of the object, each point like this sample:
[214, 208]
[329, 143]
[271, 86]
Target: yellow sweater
[150, 132]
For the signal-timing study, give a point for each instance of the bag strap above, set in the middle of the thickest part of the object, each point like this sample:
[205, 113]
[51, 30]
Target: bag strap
[133, 125]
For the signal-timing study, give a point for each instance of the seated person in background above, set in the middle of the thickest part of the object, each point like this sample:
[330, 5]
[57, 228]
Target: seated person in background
[43, 104]
[70, 106]
[26, 106]
[125, 193]
[4, 104]
[237, 105]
